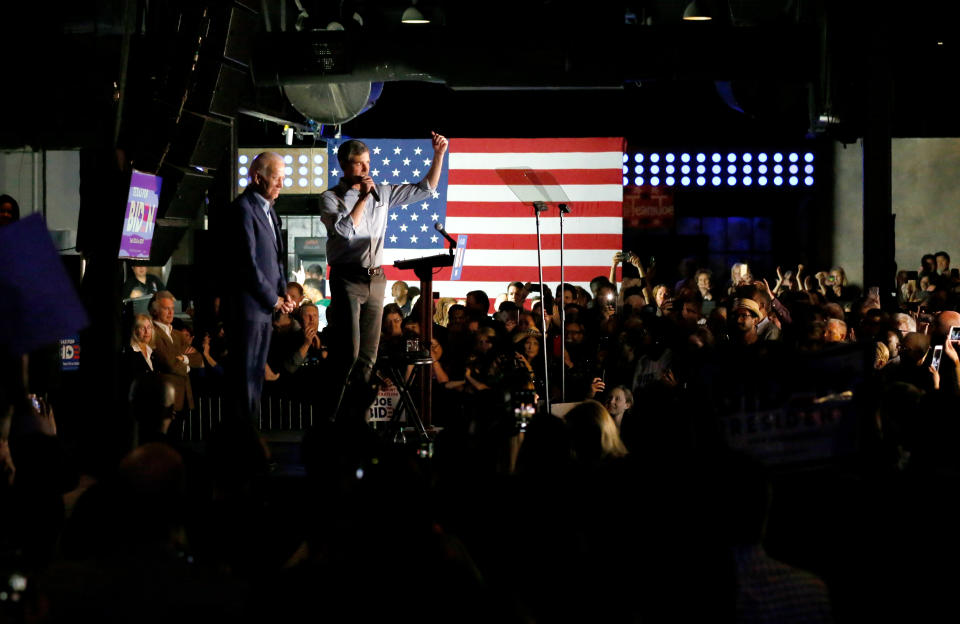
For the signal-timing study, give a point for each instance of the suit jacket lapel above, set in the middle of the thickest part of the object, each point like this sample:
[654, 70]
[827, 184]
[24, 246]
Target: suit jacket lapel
[275, 223]
[264, 220]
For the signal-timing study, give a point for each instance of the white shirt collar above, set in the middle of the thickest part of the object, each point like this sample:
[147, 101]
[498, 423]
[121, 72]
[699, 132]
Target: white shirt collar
[166, 328]
[136, 347]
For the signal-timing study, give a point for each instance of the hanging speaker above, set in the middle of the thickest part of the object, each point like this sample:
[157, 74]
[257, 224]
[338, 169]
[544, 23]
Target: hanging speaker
[201, 141]
[183, 192]
[219, 88]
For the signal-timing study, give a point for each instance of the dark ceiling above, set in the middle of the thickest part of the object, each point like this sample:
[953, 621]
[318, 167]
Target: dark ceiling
[506, 68]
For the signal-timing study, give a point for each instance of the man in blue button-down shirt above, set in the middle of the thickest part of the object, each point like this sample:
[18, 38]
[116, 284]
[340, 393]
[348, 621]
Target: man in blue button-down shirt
[355, 214]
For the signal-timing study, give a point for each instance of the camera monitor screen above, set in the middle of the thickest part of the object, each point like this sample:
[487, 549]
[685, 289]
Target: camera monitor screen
[138, 225]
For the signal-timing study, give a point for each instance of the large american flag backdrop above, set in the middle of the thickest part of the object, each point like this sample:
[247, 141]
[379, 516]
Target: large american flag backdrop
[486, 192]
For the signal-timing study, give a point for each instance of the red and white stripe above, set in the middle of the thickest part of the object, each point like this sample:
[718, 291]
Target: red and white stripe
[492, 184]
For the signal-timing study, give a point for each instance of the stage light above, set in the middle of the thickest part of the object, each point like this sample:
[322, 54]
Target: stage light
[715, 158]
[808, 169]
[778, 157]
[654, 157]
[701, 169]
[655, 181]
[318, 181]
[685, 169]
[669, 169]
[318, 158]
[685, 181]
[625, 181]
[288, 159]
[808, 157]
[794, 181]
[638, 157]
[626, 169]
[638, 169]
[654, 169]
[302, 182]
[794, 157]
[716, 169]
[762, 157]
[625, 158]
[638, 181]
[685, 157]
[716, 181]
[288, 182]
[243, 182]
[243, 159]
[302, 159]
[794, 169]
[243, 171]
[778, 181]
[701, 157]
[731, 168]
[695, 13]
[732, 181]
[412, 15]
[762, 181]
[808, 180]
[701, 180]
[747, 169]
[747, 157]
[288, 171]
[761, 168]
[778, 168]
[731, 157]
[671, 181]
[302, 171]
[670, 157]
[747, 181]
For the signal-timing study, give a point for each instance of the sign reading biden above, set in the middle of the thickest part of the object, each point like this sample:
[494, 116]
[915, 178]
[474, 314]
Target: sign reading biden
[138, 225]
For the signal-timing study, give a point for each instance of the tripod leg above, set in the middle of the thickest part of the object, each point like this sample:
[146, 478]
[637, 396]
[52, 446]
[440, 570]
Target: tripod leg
[406, 401]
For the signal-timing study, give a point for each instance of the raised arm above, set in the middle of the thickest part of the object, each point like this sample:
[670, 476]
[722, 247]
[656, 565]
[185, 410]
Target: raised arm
[436, 166]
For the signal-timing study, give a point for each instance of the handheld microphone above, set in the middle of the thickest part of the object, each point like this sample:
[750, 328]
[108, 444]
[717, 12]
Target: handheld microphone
[439, 227]
[376, 196]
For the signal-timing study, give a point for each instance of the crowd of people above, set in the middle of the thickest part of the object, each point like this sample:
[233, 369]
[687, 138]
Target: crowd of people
[636, 504]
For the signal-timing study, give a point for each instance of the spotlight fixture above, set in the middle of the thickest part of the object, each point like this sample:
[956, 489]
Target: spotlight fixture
[696, 13]
[412, 15]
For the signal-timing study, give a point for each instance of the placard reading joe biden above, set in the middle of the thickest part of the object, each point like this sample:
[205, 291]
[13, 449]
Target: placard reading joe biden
[141, 216]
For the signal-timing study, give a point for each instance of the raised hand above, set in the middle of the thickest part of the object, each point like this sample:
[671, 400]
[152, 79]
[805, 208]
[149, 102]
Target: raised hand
[366, 185]
[439, 144]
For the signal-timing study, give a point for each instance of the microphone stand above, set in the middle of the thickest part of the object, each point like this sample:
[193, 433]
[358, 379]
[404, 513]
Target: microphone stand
[538, 207]
[564, 209]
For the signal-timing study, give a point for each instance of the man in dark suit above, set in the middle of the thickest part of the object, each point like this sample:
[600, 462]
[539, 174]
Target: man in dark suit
[257, 288]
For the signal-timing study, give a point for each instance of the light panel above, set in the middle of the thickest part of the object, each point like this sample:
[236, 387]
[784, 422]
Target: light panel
[305, 171]
[723, 169]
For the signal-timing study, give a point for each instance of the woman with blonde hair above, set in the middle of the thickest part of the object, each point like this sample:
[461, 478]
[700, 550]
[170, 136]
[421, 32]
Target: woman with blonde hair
[138, 352]
[593, 433]
[441, 310]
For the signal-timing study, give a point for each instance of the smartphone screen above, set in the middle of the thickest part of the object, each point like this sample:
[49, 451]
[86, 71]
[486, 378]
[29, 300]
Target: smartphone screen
[955, 333]
[937, 354]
